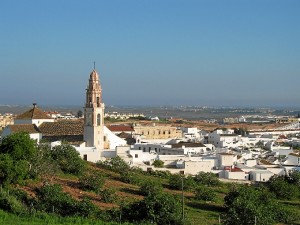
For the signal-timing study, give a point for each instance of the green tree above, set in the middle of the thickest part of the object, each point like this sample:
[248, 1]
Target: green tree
[68, 159]
[204, 193]
[209, 179]
[294, 177]
[116, 164]
[19, 146]
[158, 208]
[246, 204]
[280, 186]
[158, 163]
[92, 180]
[151, 186]
[177, 181]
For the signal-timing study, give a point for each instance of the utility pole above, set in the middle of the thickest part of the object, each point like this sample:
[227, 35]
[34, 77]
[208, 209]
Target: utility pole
[182, 198]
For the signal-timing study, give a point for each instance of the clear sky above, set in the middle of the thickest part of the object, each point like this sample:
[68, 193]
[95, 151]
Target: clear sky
[151, 52]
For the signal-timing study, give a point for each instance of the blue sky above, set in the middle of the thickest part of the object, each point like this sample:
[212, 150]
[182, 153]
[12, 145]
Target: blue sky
[151, 52]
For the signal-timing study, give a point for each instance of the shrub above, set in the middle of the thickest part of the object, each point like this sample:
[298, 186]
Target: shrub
[177, 182]
[150, 187]
[204, 193]
[282, 188]
[92, 181]
[10, 203]
[68, 159]
[129, 177]
[52, 199]
[158, 163]
[209, 179]
[116, 164]
[107, 195]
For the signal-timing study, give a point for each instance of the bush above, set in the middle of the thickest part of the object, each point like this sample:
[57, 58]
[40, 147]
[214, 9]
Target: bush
[129, 177]
[108, 195]
[282, 188]
[116, 164]
[209, 179]
[150, 187]
[177, 181]
[204, 193]
[68, 159]
[157, 208]
[158, 163]
[10, 203]
[92, 181]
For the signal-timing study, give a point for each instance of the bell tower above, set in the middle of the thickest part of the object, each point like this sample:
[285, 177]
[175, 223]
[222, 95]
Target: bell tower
[94, 113]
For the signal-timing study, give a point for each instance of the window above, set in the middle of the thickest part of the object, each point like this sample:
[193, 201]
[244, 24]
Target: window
[98, 102]
[104, 138]
[98, 120]
[85, 157]
[136, 156]
[139, 148]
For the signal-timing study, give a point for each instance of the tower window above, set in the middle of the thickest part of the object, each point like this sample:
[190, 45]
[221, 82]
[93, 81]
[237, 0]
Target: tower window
[98, 120]
[98, 102]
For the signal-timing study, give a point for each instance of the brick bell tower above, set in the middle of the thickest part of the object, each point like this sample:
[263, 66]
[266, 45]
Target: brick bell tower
[94, 113]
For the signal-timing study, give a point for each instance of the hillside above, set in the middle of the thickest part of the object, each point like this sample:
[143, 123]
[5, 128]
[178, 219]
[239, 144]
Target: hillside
[43, 186]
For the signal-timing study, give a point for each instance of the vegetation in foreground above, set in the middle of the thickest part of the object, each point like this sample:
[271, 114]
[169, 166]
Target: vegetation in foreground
[44, 186]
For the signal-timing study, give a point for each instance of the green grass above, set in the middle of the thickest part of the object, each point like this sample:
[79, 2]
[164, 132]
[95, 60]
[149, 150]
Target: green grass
[46, 219]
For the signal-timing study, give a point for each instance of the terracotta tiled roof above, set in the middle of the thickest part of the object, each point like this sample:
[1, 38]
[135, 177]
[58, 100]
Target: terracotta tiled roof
[34, 113]
[62, 128]
[120, 128]
[29, 128]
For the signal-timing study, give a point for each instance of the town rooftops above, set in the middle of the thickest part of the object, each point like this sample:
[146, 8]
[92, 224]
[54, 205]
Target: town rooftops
[120, 128]
[187, 145]
[34, 113]
[29, 128]
[62, 128]
[228, 135]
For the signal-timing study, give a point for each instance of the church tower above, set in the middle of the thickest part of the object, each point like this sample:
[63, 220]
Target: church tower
[94, 114]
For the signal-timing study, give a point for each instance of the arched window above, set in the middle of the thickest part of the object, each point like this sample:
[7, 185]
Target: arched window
[98, 120]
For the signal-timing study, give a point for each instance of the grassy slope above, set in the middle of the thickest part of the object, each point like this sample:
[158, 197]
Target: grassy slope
[196, 212]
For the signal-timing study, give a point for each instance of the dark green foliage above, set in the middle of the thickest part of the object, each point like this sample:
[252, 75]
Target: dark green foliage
[294, 177]
[12, 171]
[158, 208]
[116, 164]
[208, 179]
[10, 203]
[42, 162]
[159, 173]
[177, 181]
[108, 195]
[130, 177]
[245, 204]
[280, 186]
[19, 146]
[158, 163]
[52, 199]
[150, 186]
[92, 181]
[68, 159]
[204, 193]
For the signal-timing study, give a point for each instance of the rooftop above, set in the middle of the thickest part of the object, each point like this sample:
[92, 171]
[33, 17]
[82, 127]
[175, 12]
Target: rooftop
[34, 113]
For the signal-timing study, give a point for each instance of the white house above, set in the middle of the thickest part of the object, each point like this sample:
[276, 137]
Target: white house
[31, 129]
[33, 116]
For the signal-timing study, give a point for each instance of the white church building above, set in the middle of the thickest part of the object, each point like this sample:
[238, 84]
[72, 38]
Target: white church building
[90, 137]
